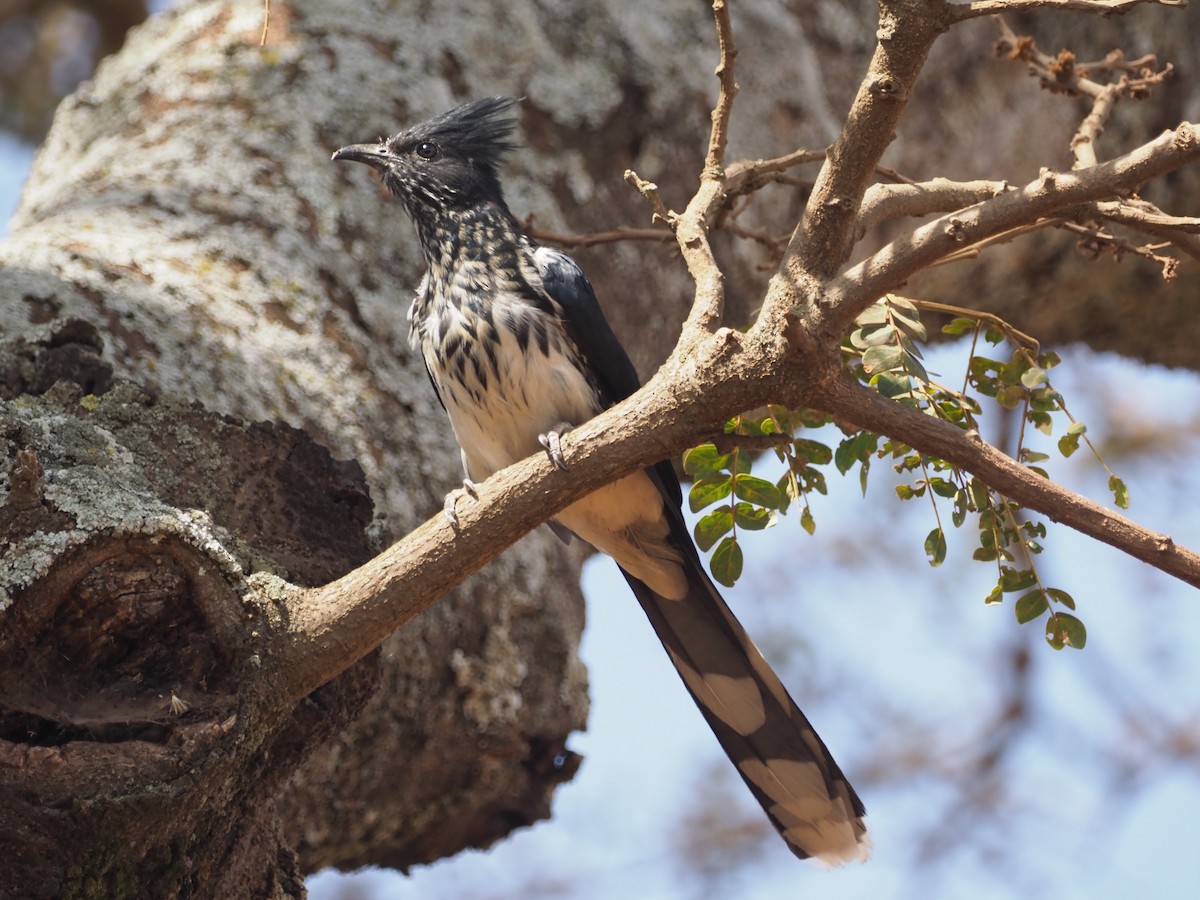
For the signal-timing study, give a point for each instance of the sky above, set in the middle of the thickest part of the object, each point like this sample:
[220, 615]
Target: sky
[858, 624]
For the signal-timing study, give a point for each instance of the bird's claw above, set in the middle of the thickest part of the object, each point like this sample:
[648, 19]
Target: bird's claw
[448, 508]
[551, 440]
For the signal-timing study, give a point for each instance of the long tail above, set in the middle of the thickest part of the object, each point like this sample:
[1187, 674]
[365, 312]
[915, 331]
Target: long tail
[777, 752]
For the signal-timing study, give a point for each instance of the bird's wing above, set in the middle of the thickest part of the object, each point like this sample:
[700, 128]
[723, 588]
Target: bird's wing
[567, 285]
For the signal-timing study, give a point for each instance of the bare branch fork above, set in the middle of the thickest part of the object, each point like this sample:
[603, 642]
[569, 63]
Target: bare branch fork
[789, 356]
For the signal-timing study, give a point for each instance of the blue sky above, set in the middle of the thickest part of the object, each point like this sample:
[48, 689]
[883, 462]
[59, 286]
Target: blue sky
[856, 622]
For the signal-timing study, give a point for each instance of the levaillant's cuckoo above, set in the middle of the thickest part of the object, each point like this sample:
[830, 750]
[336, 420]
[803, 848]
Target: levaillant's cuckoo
[518, 351]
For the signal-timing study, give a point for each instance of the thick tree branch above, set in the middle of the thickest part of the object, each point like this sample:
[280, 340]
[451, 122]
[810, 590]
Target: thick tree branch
[822, 241]
[867, 409]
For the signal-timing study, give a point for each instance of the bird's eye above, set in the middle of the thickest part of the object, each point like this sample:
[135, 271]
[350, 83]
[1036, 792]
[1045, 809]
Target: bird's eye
[427, 150]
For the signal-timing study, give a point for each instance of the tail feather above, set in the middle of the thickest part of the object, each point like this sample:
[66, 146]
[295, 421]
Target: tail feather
[778, 753]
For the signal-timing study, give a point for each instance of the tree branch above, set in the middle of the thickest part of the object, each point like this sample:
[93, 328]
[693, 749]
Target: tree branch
[883, 202]
[960, 12]
[331, 627]
[966, 449]
[714, 161]
[1049, 194]
[821, 243]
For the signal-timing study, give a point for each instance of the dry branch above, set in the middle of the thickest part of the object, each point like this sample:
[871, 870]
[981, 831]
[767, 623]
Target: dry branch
[962, 11]
[1050, 194]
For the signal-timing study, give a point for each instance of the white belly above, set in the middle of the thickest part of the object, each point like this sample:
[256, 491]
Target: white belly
[498, 409]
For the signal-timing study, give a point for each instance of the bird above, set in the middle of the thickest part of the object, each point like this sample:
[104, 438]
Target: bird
[519, 351]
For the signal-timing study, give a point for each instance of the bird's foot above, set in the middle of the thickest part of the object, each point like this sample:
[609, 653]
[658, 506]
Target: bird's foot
[551, 441]
[468, 488]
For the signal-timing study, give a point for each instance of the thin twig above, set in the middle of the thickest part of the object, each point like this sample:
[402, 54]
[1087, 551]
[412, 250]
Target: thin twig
[1065, 74]
[948, 309]
[593, 238]
[714, 162]
[958, 12]
[649, 190]
[262, 41]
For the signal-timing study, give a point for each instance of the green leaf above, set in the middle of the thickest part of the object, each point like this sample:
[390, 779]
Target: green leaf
[751, 517]
[709, 490]
[960, 325]
[943, 488]
[704, 459]
[1034, 377]
[994, 596]
[892, 385]
[1013, 580]
[726, 562]
[1064, 630]
[873, 336]
[816, 453]
[712, 527]
[855, 448]
[981, 495]
[1076, 428]
[1068, 444]
[935, 547]
[980, 366]
[1061, 596]
[756, 490]
[1011, 396]
[1032, 456]
[1120, 492]
[806, 520]
[789, 490]
[814, 480]
[882, 359]
[911, 322]
[1045, 399]
[959, 515]
[1031, 606]
[875, 314]
[1041, 421]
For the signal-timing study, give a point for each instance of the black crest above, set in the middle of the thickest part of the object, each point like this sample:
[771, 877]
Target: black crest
[453, 160]
[477, 131]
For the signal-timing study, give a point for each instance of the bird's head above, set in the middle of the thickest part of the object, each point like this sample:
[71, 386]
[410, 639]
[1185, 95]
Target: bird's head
[447, 163]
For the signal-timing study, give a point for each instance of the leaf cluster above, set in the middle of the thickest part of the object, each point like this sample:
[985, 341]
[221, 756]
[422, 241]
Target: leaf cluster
[884, 352]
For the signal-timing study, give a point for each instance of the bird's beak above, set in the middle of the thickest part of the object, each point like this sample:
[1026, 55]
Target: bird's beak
[374, 155]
